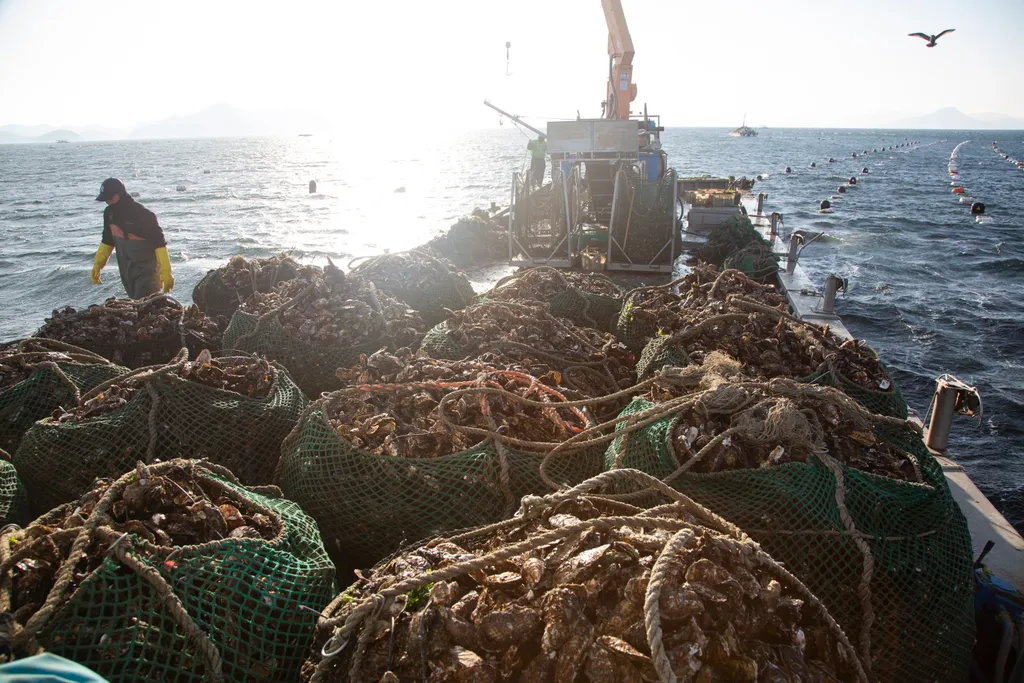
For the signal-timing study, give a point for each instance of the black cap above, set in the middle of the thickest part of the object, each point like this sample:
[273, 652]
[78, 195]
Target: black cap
[109, 188]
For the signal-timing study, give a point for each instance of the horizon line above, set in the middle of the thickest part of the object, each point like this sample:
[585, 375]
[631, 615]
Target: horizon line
[34, 141]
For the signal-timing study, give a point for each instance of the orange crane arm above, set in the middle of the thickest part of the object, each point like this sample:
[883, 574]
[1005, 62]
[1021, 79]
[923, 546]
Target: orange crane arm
[621, 90]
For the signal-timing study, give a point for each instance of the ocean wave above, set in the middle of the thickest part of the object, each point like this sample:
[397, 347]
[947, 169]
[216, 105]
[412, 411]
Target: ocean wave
[1013, 266]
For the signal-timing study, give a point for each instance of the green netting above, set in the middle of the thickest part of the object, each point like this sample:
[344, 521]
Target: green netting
[214, 298]
[921, 587]
[728, 238]
[586, 309]
[638, 334]
[756, 260]
[312, 367]
[883, 402]
[437, 344]
[168, 418]
[452, 292]
[658, 353]
[368, 506]
[246, 595]
[139, 354]
[42, 392]
[472, 240]
[13, 500]
[632, 331]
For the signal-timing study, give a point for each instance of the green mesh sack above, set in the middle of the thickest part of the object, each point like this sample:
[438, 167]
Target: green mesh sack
[312, 367]
[437, 344]
[166, 418]
[881, 401]
[251, 602]
[453, 294]
[368, 505]
[13, 500]
[444, 289]
[141, 354]
[629, 329]
[586, 309]
[727, 238]
[216, 299]
[914, 616]
[756, 260]
[241, 325]
[658, 353]
[51, 385]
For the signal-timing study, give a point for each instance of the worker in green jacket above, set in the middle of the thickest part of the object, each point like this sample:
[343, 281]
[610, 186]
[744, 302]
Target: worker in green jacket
[538, 149]
[132, 231]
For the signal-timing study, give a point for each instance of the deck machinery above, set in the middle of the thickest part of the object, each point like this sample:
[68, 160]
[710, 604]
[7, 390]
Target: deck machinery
[613, 202]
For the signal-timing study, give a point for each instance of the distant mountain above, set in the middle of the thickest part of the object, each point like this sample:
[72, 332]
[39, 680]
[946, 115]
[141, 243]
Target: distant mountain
[951, 118]
[1000, 121]
[59, 134]
[222, 120]
[102, 132]
[48, 134]
[22, 132]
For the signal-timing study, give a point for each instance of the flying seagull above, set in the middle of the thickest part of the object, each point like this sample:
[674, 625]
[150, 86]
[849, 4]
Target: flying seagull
[931, 39]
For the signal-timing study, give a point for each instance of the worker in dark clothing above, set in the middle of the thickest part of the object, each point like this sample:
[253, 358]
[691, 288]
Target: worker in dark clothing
[538, 149]
[132, 230]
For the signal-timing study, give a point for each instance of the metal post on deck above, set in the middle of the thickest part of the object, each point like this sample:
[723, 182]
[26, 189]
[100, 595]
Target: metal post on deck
[794, 249]
[511, 216]
[775, 219]
[761, 196]
[951, 397]
[833, 284]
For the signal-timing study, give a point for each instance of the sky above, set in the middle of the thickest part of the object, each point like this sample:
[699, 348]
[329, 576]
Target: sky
[782, 63]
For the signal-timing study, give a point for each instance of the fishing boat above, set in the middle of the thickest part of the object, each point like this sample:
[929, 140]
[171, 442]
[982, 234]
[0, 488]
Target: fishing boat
[744, 131]
[615, 206]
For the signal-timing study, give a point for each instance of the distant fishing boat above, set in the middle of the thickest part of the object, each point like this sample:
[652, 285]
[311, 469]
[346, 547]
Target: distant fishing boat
[305, 135]
[744, 130]
[61, 141]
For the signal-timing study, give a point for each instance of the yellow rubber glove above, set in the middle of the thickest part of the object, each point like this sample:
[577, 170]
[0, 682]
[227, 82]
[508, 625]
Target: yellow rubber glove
[164, 261]
[102, 254]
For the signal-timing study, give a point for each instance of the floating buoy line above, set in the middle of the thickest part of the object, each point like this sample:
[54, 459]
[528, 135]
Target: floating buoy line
[825, 206]
[976, 207]
[1016, 162]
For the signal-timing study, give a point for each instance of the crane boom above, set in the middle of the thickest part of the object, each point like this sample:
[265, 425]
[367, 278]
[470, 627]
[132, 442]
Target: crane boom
[515, 118]
[621, 90]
